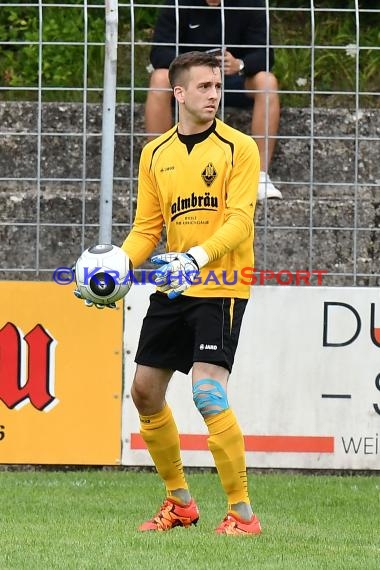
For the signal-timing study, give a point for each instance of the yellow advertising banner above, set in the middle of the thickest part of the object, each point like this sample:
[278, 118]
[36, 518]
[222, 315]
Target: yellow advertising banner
[60, 377]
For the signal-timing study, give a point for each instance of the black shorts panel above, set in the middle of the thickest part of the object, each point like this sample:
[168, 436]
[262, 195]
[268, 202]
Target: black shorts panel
[176, 333]
[238, 96]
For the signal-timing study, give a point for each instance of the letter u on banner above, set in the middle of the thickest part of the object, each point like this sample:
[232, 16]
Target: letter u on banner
[18, 386]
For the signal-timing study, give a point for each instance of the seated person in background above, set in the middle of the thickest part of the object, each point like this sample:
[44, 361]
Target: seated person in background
[245, 68]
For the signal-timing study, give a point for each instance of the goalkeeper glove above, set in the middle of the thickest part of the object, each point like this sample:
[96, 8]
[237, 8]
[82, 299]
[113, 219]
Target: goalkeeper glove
[89, 303]
[179, 270]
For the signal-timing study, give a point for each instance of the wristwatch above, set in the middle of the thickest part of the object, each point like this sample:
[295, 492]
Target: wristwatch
[241, 67]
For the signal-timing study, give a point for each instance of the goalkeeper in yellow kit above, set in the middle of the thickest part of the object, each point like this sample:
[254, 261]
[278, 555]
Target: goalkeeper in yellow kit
[200, 180]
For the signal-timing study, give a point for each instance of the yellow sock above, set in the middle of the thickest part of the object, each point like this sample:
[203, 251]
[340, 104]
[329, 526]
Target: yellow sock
[160, 434]
[226, 444]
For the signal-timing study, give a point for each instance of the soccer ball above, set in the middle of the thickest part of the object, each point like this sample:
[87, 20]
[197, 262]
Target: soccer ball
[103, 274]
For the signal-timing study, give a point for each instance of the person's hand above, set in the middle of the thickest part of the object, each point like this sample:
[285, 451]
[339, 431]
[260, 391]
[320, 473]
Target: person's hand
[89, 303]
[176, 274]
[230, 65]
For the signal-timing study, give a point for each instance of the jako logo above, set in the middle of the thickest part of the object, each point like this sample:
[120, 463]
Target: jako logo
[347, 325]
[27, 368]
[208, 347]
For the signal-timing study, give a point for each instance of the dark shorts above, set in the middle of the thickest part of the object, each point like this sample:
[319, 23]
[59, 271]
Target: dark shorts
[176, 333]
[236, 82]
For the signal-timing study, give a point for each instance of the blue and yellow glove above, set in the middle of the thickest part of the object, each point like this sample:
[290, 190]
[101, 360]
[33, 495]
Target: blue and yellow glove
[178, 271]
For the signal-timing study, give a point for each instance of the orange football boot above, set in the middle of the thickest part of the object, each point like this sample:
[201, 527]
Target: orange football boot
[172, 514]
[232, 524]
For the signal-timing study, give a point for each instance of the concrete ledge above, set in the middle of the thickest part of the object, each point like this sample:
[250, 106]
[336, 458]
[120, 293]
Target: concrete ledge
[326, 165]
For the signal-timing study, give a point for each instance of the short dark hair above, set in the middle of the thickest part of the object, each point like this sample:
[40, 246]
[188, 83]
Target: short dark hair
[185, 61]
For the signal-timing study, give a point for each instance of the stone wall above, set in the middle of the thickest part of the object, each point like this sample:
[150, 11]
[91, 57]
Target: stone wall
[330, 183]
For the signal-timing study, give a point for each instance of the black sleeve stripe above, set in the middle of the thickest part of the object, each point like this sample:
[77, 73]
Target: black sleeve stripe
[230, 144]
[158, 146]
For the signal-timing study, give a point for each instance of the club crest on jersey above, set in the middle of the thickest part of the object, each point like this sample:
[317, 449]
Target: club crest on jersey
[209, 174]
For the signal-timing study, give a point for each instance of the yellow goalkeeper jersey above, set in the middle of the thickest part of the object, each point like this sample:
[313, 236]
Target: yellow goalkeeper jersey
[203, 188]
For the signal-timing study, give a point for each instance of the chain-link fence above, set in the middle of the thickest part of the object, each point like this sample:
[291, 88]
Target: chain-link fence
[51, 114]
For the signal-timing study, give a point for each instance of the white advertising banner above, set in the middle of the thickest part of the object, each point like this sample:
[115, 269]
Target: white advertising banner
[305, 384]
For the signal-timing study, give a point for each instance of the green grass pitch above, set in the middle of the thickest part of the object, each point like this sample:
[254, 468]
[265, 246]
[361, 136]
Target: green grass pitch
[76, 520]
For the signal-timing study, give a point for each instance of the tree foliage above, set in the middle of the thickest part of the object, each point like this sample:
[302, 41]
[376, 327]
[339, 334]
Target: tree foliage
[51, 51]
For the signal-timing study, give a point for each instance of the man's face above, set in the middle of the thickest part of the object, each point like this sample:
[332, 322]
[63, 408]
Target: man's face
[213, 2]
[200, 94]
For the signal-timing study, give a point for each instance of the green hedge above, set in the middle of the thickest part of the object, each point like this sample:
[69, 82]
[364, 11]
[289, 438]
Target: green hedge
[63, 68]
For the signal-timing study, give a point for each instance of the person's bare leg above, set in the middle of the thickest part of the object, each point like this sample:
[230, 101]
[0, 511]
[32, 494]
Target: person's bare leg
[149, 388]
[265, 115]
[264, 126]
[225, 440]
[158, 111]
[159, 431]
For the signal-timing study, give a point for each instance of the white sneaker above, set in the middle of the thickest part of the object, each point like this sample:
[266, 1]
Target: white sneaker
[266, 188]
